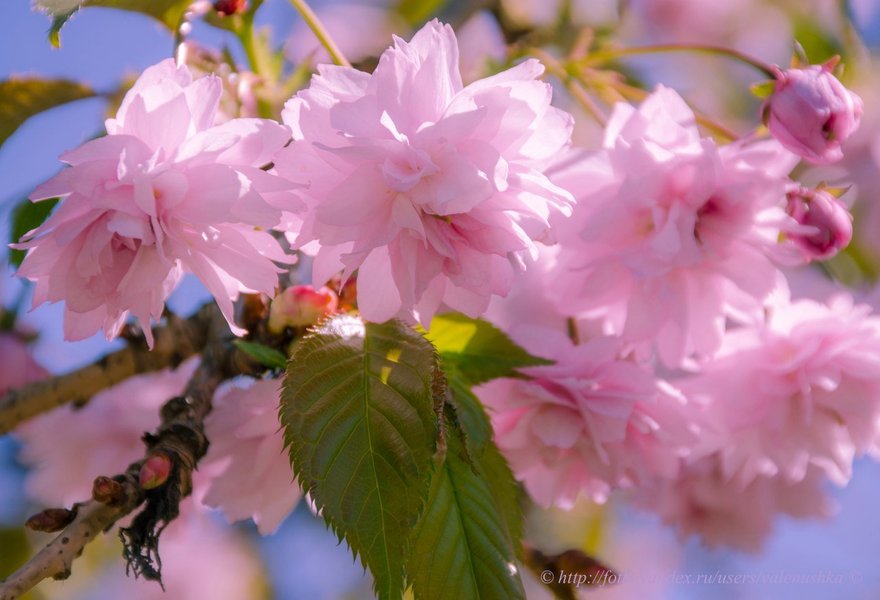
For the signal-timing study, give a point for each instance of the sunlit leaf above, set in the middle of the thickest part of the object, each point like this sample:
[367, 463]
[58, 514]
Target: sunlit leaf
[359, 418]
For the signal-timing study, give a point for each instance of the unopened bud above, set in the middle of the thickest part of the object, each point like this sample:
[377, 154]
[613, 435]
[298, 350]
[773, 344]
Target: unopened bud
[827, 224]
[51, 520]
[230, 7]
[811, 113]
[107, 491]
[155, 471]
[301, 306]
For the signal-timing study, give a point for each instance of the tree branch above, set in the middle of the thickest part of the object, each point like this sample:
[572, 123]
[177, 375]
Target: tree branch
[175, 342]
[181, 438]
[92, 518]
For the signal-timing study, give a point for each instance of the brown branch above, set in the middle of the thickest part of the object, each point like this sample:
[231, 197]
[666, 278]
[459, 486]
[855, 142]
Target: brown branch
[92, 518]
[174, 342]
[181, 438]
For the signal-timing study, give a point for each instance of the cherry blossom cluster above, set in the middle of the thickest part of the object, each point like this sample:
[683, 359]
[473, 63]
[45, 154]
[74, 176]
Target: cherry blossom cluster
[651, 271]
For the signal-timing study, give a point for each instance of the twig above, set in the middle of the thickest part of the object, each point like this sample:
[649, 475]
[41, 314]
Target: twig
[181, 438]
[174, 343]
[92, 518]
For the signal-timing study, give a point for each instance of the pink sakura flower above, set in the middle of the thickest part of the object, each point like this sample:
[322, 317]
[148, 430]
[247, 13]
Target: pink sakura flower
[246, 473]
[67, 448]
[19, 366]
[702, 501]
[433, 191]
[811, 113]
[589, 424]
[671, 233]
[164, 192]
[798, 392]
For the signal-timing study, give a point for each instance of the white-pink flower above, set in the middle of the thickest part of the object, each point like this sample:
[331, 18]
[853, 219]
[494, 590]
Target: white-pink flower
[246, 473]
[591, 423]
[67, 448]
[801, 391]
[701, 501]
[164, 192]
[433, 191]
[671, 233]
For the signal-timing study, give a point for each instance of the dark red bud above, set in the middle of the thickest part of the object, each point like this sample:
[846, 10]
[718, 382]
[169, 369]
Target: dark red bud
[51, 520]
[230, 7]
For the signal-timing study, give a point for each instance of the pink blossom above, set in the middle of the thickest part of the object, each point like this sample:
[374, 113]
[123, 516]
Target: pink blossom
[200, 559]
[67, 448]
[827, 224]
[589, 424]
[799, 391]
[246, 473]
[433, 191]
[19, 367]
[811, 113]
[703, 502]
[671, 233]
[300, 306]
[164, 192]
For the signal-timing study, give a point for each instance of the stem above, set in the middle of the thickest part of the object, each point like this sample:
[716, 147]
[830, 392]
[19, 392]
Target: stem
[320, 32]
[573, 85]
[246, 37]
[606, 55]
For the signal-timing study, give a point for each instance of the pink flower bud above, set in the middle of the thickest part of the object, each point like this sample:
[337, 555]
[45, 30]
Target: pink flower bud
[155, 471]
[827, 224]
[811, 113]
[301, 305]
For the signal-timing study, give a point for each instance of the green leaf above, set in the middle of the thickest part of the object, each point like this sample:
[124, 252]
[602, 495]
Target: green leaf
[479, 350]
[27, 216]
[167, 12]
[477, 431]
[269, 357]
[461, 547]
[22, 98]
[359, 418]
[417, 11]
[469, 411]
